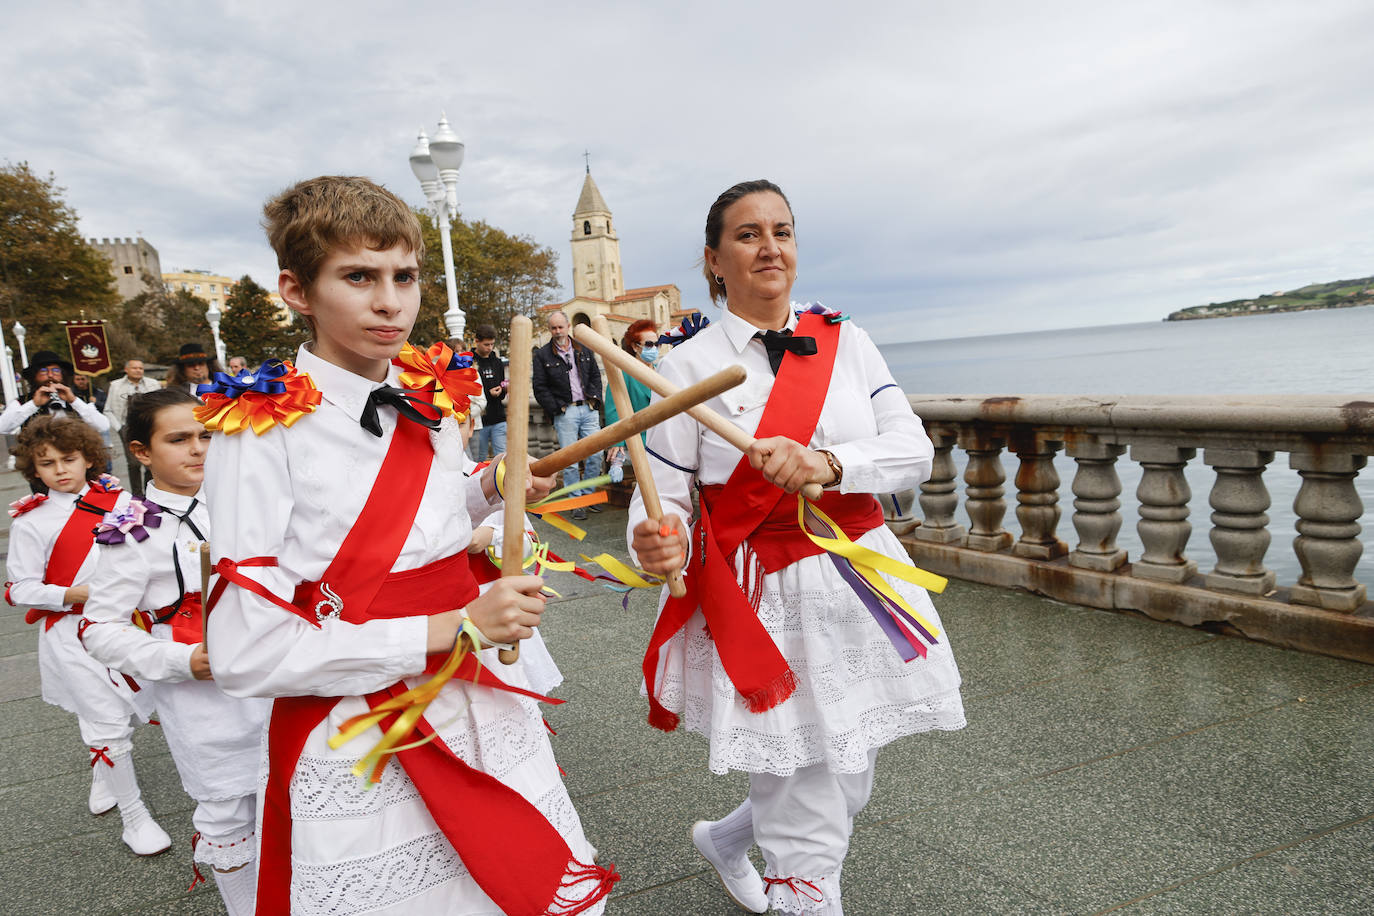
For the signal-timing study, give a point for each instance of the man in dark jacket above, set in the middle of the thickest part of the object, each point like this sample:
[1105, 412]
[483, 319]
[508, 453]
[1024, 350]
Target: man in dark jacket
[567, 384]
[492, 372]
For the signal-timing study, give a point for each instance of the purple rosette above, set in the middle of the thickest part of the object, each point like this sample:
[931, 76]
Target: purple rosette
[263, 380]
[133, 521]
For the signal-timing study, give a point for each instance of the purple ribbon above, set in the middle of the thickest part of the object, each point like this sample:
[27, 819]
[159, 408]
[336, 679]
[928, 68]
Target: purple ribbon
[133, 521]
[263, 381]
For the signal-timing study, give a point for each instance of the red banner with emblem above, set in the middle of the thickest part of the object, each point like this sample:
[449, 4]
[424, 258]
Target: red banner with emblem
[90, 349]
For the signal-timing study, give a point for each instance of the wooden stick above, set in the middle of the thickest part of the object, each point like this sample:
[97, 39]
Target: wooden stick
[517, 450]
[639, 458]
[707, 417]
[205, 570]
[681, 401]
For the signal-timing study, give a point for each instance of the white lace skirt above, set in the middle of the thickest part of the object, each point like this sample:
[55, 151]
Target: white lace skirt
[854, 692]
[378, 850]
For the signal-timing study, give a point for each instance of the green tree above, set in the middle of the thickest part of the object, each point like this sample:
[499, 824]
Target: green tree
[47, 271]
[499, 275]
[251, 327]
[152, 326]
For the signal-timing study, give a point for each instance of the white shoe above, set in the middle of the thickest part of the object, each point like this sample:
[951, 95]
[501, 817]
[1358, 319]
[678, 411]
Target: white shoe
[101, 800]
[739, 878]
[141, 832]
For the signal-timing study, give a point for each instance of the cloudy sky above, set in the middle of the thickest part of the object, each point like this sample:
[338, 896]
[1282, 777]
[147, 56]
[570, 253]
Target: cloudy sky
[956, 168]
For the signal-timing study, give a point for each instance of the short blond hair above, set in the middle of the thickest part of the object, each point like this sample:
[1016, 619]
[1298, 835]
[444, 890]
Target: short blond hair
[311, 219]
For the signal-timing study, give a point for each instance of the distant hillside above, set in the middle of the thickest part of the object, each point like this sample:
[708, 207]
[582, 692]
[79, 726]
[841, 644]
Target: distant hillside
[1338, 295]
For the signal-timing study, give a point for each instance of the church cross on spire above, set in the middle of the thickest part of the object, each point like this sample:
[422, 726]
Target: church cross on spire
[588, 156]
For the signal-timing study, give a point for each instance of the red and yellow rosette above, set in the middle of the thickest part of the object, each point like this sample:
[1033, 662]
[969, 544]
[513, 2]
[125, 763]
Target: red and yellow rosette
[273, 394]
[451, 376]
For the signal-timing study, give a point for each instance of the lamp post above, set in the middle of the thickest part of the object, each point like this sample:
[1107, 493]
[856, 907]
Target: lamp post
[7, 382]
[19, 333]
[436, 163]
[213, 315]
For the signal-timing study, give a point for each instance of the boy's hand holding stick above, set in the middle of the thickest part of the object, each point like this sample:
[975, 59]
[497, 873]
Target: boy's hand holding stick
[639, 458]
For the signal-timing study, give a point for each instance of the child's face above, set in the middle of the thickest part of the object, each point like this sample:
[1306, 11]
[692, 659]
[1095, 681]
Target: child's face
[363, 303]
[176, 454]
[61, 472]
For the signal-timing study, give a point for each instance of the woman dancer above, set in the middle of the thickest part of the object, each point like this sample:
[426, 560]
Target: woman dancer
[773, 655]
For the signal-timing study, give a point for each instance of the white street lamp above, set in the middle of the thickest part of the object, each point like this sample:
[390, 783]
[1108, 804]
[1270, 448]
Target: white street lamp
[213, 315]
[7, 381]
[19, 333]
[436, 163]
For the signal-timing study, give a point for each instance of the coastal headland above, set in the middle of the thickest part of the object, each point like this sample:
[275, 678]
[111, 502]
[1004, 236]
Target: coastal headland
[1339, 294]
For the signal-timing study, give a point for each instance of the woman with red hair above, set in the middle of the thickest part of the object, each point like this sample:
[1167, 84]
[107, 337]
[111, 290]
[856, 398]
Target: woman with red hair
[640, 341]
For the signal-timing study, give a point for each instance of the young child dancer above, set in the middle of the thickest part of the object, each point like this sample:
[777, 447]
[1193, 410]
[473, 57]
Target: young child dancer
[150, 564]
[342, 530]
[52, 557]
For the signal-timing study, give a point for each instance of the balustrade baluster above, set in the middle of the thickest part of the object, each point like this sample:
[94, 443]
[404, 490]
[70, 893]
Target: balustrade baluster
[983, 490]
[1097, 506]
[938, 498]
[1240, 526]
[1163, 525]
[1037, 498]
[1328, 545]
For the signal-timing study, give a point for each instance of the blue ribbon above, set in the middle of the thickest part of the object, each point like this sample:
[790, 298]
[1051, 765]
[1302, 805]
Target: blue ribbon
[687, 330]
[263, 381]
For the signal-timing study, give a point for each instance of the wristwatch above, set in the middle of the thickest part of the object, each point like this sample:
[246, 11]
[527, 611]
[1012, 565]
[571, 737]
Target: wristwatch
[835, 467]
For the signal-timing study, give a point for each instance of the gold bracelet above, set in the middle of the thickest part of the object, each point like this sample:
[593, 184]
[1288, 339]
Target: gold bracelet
[835, 467]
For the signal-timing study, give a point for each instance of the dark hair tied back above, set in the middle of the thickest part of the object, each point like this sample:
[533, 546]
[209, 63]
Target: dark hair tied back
[715, 224]
[143, 410]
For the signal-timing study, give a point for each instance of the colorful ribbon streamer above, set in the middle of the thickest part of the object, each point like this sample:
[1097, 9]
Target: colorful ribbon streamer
[451, 376]
[275, 393]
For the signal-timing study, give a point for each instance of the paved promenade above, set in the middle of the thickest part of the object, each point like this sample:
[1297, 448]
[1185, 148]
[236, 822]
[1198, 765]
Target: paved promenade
[1110, 764]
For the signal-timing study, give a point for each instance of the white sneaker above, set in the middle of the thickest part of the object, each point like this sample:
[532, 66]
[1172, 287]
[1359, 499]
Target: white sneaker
[141, 832]
[739, 878]
[101, 800]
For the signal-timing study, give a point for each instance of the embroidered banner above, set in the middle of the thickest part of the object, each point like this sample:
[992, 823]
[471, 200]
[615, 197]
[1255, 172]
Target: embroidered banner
[90, 349]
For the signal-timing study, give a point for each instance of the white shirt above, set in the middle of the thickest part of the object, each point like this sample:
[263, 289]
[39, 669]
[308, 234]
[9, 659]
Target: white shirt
[866, 422]
[32, 537]
[117, 399]
[294, 494]
[16, 414]
[140, 575]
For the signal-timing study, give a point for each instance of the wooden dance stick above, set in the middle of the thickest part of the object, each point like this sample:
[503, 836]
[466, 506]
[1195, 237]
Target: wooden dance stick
[704, 415]
[517, 450]
[683, 401]
[639, 458]
[205, 593]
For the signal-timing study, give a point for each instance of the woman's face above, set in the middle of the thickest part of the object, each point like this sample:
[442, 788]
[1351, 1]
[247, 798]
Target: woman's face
[647, 346]
[757, 257]
[176, 454]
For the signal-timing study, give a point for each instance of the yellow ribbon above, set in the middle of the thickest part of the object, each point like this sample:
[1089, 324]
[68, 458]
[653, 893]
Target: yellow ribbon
[635, 578]
[869, 563]
[260, 412]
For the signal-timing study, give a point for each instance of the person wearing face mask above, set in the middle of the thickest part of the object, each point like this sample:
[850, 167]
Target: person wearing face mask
[641, 342]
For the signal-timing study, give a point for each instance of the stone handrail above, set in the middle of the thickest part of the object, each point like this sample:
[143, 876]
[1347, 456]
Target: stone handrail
[1328, 439]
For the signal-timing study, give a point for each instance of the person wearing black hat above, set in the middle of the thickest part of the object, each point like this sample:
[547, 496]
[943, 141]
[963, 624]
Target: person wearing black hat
[192, 368]
[49, 381]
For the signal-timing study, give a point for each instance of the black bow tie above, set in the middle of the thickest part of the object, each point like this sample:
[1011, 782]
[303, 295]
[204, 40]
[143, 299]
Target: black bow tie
[405, 405]
[779, 342]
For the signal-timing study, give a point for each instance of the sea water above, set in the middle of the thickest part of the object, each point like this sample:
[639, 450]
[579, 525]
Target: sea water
[1318, 352]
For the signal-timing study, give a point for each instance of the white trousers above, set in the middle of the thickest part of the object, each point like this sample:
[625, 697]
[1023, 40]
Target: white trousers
[228, 831]
[802, 825]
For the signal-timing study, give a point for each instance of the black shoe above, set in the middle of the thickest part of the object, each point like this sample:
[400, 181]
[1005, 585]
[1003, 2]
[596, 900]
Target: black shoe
[580, 514]
[595, 507]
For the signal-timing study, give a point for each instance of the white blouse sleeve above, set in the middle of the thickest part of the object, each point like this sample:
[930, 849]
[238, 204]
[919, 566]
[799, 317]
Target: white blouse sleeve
[674, 450]
[87, 411]
[28, 563]
[899, 456]
[256, 647]
[14, 416]
[121, 576]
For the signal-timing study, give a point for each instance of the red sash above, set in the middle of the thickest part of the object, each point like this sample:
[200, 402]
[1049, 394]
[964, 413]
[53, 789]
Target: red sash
[358, 587]
[187, 620]
[745, 502]
[72, 546]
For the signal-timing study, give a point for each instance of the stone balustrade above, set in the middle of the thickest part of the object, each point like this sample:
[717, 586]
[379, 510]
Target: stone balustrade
[1327, 440]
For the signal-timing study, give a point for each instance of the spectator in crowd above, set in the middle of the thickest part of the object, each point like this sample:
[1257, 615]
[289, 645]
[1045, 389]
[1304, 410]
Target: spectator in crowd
[567, 384]
[237, 364]
[641, 342]
[492, 371]
[191, 369]
[84, 386]
[49, 380]
[117, 412]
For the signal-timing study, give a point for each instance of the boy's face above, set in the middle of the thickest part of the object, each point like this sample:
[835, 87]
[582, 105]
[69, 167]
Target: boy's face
[61, 472]
[363, 304]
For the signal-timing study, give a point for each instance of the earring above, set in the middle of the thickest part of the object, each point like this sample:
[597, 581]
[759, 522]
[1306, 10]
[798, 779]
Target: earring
[719, 280]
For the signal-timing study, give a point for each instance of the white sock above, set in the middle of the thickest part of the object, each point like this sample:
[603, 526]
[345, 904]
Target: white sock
[734, 833]
[238, 889]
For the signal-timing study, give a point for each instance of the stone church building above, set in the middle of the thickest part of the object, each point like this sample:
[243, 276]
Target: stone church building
[599, 284]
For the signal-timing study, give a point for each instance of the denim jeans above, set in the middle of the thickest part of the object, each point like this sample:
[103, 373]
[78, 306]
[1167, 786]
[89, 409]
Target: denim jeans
[494, 435]
[578, 422]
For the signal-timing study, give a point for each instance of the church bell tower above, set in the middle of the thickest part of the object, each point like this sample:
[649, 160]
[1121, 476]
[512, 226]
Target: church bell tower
[595, 246]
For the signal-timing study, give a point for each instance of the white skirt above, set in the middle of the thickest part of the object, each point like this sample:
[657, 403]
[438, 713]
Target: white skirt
[854, 692]
[378, 850]
[76, 682]
[215, 739]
